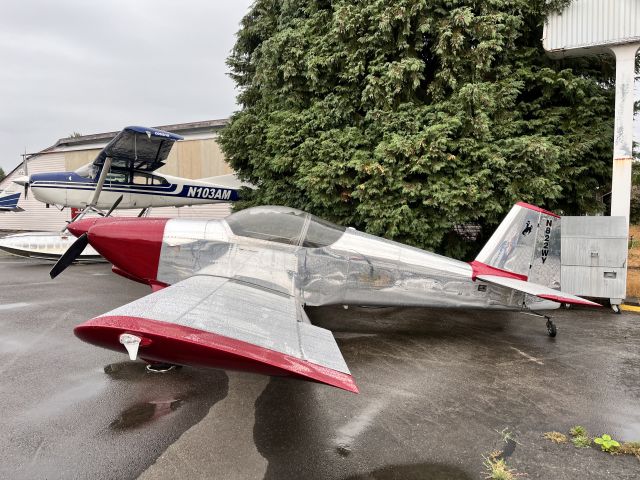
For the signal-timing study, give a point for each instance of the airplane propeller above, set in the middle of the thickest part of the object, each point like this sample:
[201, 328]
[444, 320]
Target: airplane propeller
[77, 247]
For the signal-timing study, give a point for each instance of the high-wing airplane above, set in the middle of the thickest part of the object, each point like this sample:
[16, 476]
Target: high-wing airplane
[125, 168]
[122, 172]
[9, 201]
[231, 293]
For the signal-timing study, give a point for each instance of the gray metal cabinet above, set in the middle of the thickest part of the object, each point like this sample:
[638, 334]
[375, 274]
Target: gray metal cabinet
[594, 257]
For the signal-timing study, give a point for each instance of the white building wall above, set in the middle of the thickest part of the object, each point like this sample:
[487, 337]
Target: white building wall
[35, 216]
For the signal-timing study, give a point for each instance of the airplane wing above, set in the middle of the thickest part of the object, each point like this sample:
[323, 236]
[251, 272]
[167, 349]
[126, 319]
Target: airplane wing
[224, 323]
[140, 148]
[537, 290]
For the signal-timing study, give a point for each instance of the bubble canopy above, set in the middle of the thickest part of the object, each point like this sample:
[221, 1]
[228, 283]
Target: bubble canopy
[284, 225]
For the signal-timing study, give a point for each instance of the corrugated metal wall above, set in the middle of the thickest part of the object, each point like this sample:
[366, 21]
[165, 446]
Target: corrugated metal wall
[35, 216]
[587, 23]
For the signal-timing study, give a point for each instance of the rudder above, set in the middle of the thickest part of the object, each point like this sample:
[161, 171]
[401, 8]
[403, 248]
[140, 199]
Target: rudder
[526, 245]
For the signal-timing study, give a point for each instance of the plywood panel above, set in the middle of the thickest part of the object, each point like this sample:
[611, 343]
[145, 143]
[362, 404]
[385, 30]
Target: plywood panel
[76, 159]
[196, 159]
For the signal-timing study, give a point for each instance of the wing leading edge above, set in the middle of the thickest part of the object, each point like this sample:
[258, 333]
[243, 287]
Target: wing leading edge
[538, 290]
[225, 323]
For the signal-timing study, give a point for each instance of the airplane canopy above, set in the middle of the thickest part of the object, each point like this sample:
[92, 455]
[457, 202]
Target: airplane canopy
[138, 148]
[284, 225]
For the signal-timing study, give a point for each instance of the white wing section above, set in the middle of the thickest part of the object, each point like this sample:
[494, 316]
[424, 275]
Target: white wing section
[226, 323]
[538, 290]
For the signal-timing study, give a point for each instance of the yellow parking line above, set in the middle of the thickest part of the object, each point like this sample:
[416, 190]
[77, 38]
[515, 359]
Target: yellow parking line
[630, 308]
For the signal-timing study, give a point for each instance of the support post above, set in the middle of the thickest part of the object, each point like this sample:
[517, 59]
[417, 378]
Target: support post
[623, 130]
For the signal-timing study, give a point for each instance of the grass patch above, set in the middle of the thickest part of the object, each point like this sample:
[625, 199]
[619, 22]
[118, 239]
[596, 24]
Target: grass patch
[556, 437]
[497, 468]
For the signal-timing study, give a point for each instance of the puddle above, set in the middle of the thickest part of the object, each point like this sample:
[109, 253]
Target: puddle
[13, 306]
[142, 413]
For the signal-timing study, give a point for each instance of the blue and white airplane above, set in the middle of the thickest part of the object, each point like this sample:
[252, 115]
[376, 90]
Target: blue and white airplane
[9, 201]
[125, 168]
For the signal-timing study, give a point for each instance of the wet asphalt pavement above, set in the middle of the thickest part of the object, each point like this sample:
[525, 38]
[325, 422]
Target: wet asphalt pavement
[436, 389]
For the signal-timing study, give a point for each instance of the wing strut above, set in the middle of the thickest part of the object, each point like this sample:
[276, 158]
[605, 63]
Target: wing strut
[106, 167]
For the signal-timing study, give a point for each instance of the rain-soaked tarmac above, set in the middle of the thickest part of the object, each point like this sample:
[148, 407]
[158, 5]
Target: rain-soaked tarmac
[436, 390]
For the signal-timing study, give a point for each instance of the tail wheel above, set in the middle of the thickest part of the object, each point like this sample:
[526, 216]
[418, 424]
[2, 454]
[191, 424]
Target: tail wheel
[552, 331]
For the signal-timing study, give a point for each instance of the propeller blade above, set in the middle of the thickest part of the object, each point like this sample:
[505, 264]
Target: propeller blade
[114, 206]
[70, 255]
[26, 190]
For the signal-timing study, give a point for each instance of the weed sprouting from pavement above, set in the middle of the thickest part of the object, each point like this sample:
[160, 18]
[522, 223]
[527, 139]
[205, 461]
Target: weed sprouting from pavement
[607, 444]
[580, 437]
[497, 468]
[630, 448]
[556, 437]
[578, 431]
[581, 441]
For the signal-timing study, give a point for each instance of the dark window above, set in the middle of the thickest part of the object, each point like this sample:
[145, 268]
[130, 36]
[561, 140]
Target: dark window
[117, 177]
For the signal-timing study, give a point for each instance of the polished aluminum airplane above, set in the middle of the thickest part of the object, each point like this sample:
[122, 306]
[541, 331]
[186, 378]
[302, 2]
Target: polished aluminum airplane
[230, 293]
[123, 173]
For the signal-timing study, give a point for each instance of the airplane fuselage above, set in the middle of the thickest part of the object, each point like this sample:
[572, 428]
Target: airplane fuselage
[149, 190]
[356, 269]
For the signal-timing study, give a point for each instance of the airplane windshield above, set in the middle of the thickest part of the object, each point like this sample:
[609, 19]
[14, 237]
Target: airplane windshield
[284, 225]
[87, 171]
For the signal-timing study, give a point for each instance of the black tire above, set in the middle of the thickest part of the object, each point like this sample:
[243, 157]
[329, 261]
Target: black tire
[552, 331]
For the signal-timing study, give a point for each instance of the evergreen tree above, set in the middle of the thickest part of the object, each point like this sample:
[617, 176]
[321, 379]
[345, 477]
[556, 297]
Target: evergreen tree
[405, 118]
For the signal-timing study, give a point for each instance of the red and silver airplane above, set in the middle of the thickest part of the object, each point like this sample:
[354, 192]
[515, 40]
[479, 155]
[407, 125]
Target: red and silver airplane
[231, 293]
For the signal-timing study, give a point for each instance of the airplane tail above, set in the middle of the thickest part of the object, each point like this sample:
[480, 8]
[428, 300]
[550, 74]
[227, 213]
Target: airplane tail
[527, 244]
[229, 181]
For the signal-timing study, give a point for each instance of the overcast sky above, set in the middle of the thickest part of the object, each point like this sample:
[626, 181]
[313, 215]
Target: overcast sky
[97, 66]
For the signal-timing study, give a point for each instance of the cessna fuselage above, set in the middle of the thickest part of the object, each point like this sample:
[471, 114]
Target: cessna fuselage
[139, 190]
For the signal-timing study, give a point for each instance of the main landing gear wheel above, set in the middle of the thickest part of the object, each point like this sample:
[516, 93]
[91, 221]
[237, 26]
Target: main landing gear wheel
[616, 308]
[552, 331]
[161, 367]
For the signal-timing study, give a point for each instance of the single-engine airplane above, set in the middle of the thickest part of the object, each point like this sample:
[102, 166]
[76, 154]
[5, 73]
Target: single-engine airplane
[125, 168]
[9, 201]
[231, 293]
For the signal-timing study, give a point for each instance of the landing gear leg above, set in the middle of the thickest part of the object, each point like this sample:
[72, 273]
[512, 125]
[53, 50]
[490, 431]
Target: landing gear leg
[552, 331]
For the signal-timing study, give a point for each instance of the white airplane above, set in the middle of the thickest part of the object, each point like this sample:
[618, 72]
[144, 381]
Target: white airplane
[125, 168]
[9, 201]
[231, 293]
[123, 174]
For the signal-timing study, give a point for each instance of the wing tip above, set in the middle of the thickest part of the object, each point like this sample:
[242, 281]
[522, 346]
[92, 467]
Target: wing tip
[571, 301]
[183, 345]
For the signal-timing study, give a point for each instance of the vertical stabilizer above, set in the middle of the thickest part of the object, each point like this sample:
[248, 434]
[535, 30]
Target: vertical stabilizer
[526, 246]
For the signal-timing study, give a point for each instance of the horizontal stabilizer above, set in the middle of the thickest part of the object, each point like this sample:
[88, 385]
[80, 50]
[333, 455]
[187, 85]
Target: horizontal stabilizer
[227, 181]
[224, 323]
[537, 290]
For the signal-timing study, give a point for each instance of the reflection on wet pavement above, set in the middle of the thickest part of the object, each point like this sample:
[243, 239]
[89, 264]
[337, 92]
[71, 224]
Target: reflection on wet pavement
[138, 415]
[420, 471]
